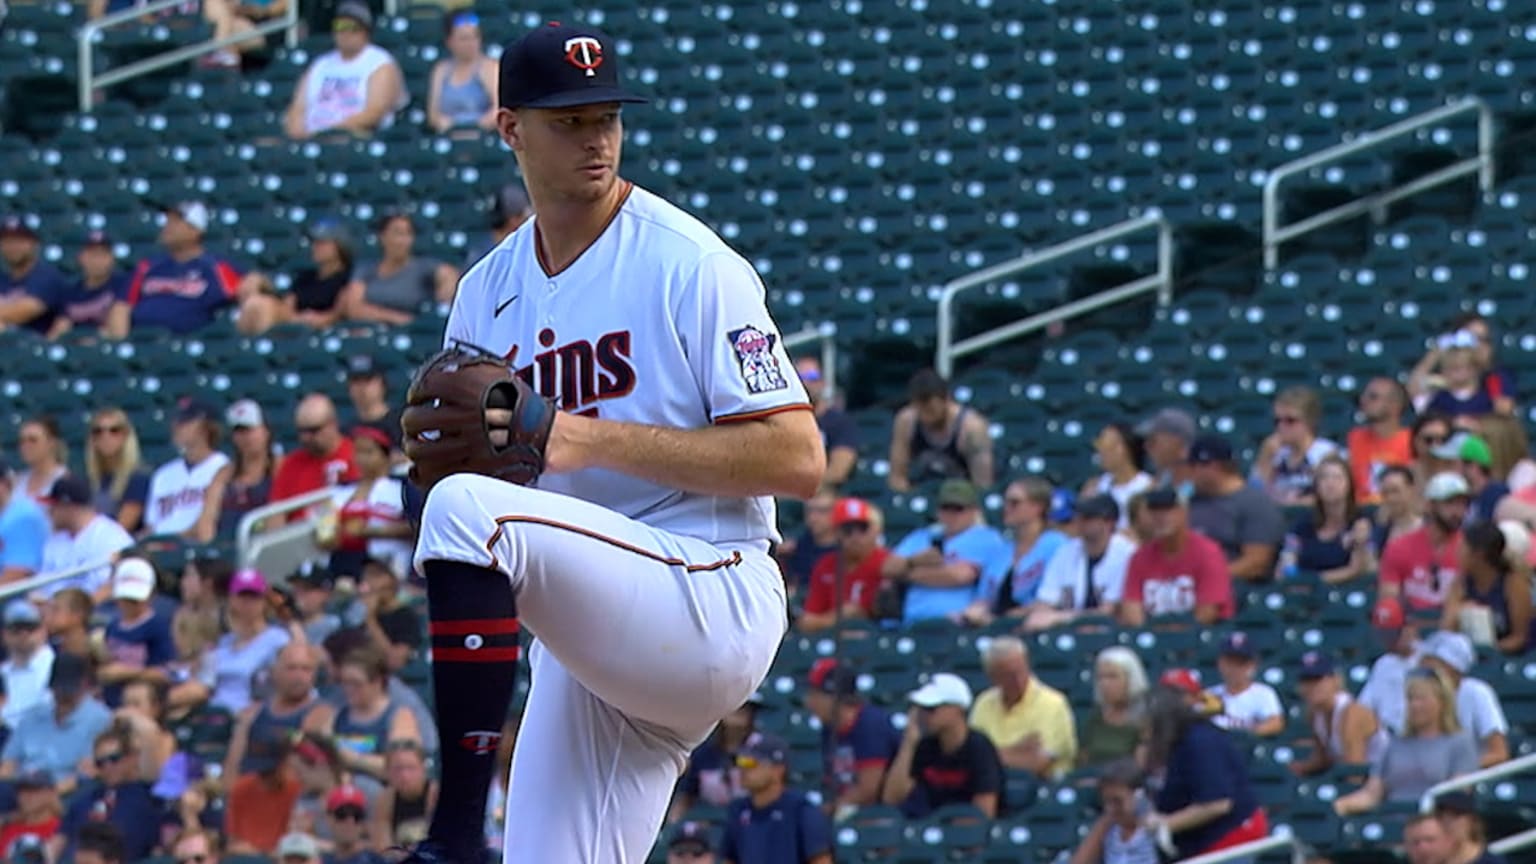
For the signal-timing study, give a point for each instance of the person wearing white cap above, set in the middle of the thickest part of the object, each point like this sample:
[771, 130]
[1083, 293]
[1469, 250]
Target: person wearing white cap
[246, 482]
[1421, 566]
[1477, 704]
[182, 290]
[950, 764]
[298, 848]
[138, 641]
[28, 662]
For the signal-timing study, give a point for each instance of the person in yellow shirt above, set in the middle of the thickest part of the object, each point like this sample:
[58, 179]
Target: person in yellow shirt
[1028, 721]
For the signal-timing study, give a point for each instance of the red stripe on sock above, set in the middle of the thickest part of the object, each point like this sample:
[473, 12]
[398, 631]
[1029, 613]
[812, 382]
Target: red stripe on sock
[476, 655]
[474, 626]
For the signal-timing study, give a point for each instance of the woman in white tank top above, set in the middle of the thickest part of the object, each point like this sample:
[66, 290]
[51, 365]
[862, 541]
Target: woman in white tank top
[1344, 731]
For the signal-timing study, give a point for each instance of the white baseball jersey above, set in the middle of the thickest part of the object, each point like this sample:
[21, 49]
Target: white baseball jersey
[657, 322]
[176, 493]
[100, 538]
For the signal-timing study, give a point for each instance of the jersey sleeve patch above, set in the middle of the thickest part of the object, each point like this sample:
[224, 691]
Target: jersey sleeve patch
[760, 369]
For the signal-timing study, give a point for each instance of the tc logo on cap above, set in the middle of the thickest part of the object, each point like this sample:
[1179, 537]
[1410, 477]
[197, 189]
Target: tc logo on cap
[585, 53]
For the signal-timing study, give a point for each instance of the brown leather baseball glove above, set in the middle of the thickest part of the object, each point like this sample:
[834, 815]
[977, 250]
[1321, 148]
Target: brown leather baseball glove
[445, 426]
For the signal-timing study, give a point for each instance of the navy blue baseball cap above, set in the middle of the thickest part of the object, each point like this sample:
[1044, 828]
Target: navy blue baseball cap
[189, 408]
[561, 66]
[1315, 664]
[1237, 644]
[690, 837]
[1210, 448]
[765, 748]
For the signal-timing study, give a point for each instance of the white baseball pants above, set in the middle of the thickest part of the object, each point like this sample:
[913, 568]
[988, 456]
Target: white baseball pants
[644, 640]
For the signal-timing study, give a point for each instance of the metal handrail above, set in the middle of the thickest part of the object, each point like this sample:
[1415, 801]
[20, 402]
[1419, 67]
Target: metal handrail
[826, 335]
[1513, 842]
[1482, 164]
[1161, 282]
[1279, 840]
[43, 580]
[90, 81]
[1493, 772]
[245, 530]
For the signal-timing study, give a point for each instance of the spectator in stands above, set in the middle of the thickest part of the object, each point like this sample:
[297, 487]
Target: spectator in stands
[1205, 802]
[1178, 573]
[102, 843]
[1452, 655]
[1450, 379]
[711, 777]
[233, 18]
[371, 521]
[839, 434]
[1288, 457]
[1381, 441]
[1469, 455]
[312, 586]
[1334, 540]
[1421, 566]
[261, 729]
[356, 88]
[404, 809]
[367, 721]
[1119, 835]
[1121, 454]
[368, 395]
[23, 529]
[690, 844]
[84, 304]
[160, 764]
[1113, 728]
[940, 564]
[30, 288]
[246, 482]
[1028, 721]
[1086, 576]
[1244, 521]
[462, 92]
[178, 490]
[114, 466]
[1344, 730]
[181, 291]
[392, 289]
[317, 767]
[1510, 449]
[773, 823]
[390, 626]
[1426, 840]
[1384, 688]
[205, 586]
[260, 804]
[68, 618]
[37, 814]
[817, 539]
[1457, 812]
[509, 208]
[44, 456]
[28, 662]
[1433, 748]
[298, 848]
[845, 584]
[1400, 512]
[191, 675]
[138, 641]
[858, 741]
[1491, 602]
[117, 796]
[1011, 576]
[55, 738]
[324, 456]
[80, 537]
[314, 293]
[942, 760]
[347, 814]
[1430, 430]
[1166, 437]
[935, 438]
[1247, 705]
[249, 647]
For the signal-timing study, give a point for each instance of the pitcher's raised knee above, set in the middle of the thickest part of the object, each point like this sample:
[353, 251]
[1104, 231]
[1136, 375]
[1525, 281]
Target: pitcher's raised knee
[459, 520]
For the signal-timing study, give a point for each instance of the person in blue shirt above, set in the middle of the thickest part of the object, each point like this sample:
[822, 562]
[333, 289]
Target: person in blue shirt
[1204, 801]
[85, 303]
[30, 288]
[939, 565]
[138, 640]
[182, 290]
[1011, 578]
[772, 824]
[24, 528]
[857, 739]
[116, 797]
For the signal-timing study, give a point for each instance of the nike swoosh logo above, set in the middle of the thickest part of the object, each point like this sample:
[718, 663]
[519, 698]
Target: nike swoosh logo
[501, 307]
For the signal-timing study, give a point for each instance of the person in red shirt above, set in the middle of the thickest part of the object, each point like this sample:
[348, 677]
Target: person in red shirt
[844, 583]
[37, 810]
[323, 458]
[1179, 572]
[1421, 565]
[1380, 442]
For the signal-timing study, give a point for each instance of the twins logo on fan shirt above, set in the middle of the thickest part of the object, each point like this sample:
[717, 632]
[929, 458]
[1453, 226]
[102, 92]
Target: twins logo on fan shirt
[754, 353]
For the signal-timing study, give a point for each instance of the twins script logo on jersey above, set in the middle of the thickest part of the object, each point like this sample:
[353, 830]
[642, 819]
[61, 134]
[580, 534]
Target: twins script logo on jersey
[585, 53]
[754, 353]
[579, 374]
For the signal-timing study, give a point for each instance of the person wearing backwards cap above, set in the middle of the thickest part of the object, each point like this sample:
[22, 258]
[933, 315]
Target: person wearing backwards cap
[1477, 704]
[1421, 566]
[772, 824]
[80, 536]
[857, 738]
[182, 290]
[89, 299]
[943, 760]
[1472, 458]
[356, 87]
[845, 583]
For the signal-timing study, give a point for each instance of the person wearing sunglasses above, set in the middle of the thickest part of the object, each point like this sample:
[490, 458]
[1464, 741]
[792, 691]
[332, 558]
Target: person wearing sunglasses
[324, 456]
[347, 814]
[772, 823]
[357, 88]
[845, 583]
[1382, 441]
[115, 466]
[940, 564]
[118, 795]
[1289, 457]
